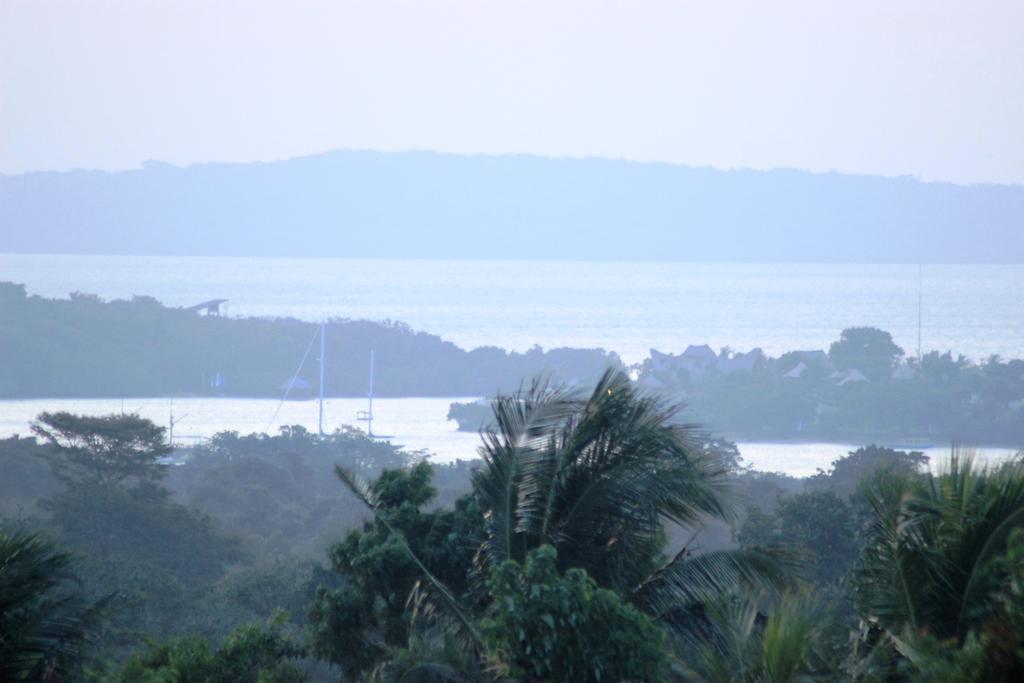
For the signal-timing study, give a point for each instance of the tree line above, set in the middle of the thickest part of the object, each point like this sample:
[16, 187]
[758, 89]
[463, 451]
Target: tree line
[864, 389]
[580, 547]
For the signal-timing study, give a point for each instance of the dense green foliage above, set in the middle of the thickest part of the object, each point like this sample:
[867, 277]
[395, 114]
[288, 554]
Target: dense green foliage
[249, 653]
[226, 537]
[113, 502]
[280, 490]
[580, 486]
[589, 543]
[848, 474]
[994, 652]
[928, 563]
[742, 644]
[937, 559]
[380, 565]
[542, 626]
[818, 525]
[106, 452]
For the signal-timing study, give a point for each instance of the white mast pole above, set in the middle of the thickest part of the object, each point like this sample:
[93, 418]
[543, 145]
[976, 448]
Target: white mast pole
[369, 423]
[323, 334]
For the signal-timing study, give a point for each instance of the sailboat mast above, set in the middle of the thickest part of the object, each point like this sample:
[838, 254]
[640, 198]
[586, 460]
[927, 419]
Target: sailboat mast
[323, 347]
[369, 412]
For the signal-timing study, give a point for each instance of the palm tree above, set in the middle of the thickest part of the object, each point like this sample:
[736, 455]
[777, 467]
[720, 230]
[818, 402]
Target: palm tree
[929, 570]
[743, 645]
[44, 622]
[598, 477]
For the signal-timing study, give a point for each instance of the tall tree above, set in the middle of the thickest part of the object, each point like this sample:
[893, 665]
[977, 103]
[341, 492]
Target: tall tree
[819, 525]
[133, 537]
[107, 450]
[382, 563]
[867, 349]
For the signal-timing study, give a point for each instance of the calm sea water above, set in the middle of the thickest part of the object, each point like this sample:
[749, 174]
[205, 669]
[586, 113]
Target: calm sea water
[417, 424]
[623, 307]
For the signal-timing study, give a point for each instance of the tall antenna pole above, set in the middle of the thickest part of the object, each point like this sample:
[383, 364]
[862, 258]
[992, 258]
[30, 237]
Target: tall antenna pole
[920, 288]
[174, 421]
[323, 357]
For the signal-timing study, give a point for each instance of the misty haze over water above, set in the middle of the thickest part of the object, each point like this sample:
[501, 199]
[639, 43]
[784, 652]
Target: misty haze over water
[414, 424]
[975, 310]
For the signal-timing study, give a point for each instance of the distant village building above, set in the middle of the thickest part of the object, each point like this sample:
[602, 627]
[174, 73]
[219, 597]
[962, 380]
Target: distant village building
[697, 360]
[702, 353]
[847, 377]
[740, 361]
[797, 372]
[211, 307]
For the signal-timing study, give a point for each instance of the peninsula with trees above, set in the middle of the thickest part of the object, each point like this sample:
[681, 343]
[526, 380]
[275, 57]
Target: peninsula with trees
[863, 388]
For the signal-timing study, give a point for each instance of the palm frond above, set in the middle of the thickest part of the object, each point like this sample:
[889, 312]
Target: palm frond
[933, 540]
[44, 619]
[524, 423]
[743, 644]
[689, 580]
[597, 479]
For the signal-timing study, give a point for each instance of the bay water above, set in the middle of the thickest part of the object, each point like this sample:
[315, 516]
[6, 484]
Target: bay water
[976, 310]
[415, 424]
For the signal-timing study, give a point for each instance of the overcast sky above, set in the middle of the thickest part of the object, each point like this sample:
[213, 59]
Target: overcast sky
[932, 89]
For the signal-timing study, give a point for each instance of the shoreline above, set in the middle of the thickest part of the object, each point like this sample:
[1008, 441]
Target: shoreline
[181, 404]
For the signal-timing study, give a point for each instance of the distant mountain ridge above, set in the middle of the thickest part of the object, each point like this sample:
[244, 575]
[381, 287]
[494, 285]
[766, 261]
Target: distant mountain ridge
[364, 204]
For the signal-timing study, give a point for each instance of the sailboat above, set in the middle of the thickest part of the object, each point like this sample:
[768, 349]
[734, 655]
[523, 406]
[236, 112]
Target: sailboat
[363, 415]
[367, 415]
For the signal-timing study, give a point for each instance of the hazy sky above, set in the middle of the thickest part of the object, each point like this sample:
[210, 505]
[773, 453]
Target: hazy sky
[933, 89]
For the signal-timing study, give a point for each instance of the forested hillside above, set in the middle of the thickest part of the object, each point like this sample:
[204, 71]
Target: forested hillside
[360, 204]
[84, 346]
